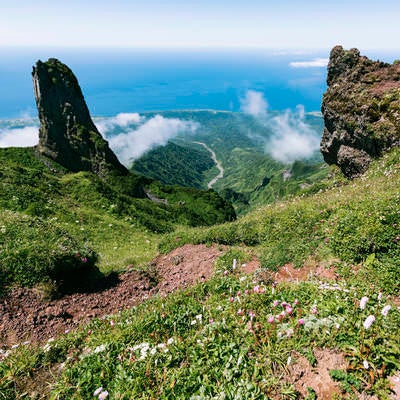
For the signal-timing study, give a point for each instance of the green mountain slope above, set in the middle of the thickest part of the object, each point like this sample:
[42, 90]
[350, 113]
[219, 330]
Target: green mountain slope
[251, 176]
[242, 336]
[176, 165]
[52, 220]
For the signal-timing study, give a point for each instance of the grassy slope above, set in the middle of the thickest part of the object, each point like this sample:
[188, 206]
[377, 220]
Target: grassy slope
[50, 219]
[217, 341]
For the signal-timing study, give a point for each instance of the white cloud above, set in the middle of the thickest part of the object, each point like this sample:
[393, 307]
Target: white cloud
[20, 137]
[121, 120]
[315, 63]
[254, 103]
[292, 138]
[156, 131]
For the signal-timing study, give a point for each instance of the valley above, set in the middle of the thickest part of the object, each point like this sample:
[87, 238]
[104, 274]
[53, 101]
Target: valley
[139, 282]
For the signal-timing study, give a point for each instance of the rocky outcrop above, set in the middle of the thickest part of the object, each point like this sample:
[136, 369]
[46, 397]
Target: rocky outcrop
[361, 110]
[67, 134]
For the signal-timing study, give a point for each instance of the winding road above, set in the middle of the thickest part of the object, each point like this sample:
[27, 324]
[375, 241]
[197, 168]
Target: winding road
[217, 164]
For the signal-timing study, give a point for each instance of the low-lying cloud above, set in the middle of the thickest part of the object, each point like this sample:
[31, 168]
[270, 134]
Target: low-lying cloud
[19, 137]
[315, 63]
[156, 131]
[292, 138]
[254, 103]
[121, 120]
[288, 137]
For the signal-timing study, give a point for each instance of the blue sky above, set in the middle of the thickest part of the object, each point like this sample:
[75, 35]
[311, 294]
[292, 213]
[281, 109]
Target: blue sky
[202, 23]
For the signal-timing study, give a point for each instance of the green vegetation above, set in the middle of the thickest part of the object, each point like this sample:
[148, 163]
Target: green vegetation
[251, 176]
[52, 220]
[233, 337]
[227, 338]
[349, 222]
[175, 165]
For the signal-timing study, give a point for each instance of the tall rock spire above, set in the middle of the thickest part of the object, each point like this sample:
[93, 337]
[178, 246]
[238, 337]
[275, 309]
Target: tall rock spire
[67, 134]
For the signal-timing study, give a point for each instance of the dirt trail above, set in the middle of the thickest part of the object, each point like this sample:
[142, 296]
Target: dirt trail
[26, 317]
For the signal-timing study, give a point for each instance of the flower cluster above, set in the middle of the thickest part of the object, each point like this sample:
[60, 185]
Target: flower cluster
[100, 393]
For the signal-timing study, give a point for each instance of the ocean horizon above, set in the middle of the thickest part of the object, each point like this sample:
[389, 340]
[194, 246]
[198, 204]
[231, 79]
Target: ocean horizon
[115, 81]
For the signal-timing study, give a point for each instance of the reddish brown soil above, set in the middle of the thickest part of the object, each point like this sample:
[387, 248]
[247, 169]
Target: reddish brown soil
[26, 317]
[290, 274]
[303, 375]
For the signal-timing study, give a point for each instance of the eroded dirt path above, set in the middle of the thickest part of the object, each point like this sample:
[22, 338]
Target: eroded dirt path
[24, 316]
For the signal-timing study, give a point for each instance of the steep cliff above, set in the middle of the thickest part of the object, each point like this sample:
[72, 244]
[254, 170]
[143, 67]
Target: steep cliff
[67, 134]
[361, 110]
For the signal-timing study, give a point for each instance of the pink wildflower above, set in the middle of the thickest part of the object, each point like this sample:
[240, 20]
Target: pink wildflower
[280, 316]
[252, 315]
[98, 391]
[271, 320]
[314, 310]
[103, 395]
[239, 293]
[275, 303]
[301, 321]
[226, 273]
[296, 302]
[232, 299]
[289, 332]
[246, 291]
[112, 323]
[289, 309]
[240, 312]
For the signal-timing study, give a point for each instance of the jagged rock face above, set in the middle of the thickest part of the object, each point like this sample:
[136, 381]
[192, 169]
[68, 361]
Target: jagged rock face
[361, 110]
[67, 134]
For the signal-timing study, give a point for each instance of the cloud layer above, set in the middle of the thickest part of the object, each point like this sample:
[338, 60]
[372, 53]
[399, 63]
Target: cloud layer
[315, 63]
[121, 120]
[254, 103]
[156, 131]
[292, 138]
[19, 137]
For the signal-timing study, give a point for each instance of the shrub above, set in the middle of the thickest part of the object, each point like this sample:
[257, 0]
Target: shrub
[34, 251]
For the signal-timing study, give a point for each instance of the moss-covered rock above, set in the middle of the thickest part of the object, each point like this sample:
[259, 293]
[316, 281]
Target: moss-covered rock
[361, 110]
[67, 134]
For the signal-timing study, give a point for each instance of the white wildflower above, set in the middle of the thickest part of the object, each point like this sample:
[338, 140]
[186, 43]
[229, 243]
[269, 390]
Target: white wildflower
[385, 310]
[369, 321]
[170, 341]
[234, 263]
[363, 302]
[98, 391]
[366, 364]
[99, 349]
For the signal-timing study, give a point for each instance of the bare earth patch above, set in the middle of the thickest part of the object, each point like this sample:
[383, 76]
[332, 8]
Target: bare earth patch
[288, 273]
[303, 375]
[26, 317]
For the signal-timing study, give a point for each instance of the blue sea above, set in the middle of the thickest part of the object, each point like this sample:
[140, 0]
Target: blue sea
[115, 81]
